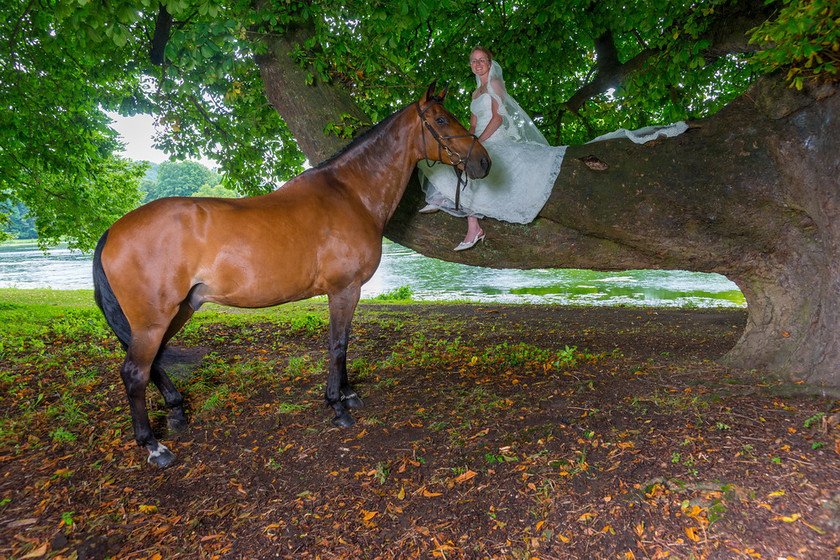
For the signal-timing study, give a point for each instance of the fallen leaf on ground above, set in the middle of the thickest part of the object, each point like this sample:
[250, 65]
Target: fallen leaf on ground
[368, 515]
[466, 476]
[38, 552]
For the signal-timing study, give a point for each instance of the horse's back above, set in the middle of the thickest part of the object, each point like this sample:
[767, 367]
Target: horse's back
[248, 252]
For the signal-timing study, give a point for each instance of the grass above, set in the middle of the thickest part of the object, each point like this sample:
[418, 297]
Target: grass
[47, 298]
[309, 323]
[85, 350]
[401, 294]
[64, 333]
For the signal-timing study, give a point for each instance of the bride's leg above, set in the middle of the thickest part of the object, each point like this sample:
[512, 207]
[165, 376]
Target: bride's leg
[473, 229]
[474, 234]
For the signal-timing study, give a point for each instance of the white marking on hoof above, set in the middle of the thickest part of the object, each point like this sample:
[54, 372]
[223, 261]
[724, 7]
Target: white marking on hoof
[160, 455]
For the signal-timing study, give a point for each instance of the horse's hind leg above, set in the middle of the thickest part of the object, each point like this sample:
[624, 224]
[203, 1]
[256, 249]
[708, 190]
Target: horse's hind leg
[176, 420]
[135, 373]
[339, 394]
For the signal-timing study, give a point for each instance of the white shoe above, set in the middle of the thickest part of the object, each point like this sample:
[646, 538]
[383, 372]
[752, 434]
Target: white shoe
[464, 245]
[429, 209]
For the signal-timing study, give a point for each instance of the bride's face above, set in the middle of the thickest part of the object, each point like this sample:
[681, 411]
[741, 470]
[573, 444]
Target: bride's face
[479, 63]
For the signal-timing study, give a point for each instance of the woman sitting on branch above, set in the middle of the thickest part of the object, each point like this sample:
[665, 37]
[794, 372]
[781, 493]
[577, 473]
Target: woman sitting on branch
[524, 165]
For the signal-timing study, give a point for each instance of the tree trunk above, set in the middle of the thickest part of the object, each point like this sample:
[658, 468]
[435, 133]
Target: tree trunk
[751, 192]
[307, 104]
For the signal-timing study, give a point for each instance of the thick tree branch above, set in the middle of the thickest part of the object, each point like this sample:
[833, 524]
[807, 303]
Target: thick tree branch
[163, 25]
[750, 192]
[728, 35]
[309, 105]
[609, 74]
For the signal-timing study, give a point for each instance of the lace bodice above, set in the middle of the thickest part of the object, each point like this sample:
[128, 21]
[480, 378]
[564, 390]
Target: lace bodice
[482, 108]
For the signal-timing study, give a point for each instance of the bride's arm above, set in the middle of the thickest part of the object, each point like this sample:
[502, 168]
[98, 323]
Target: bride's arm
[493, 125]
[473, 123]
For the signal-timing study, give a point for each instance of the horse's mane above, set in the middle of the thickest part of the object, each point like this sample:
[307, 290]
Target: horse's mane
[359, 139]
[368, 133]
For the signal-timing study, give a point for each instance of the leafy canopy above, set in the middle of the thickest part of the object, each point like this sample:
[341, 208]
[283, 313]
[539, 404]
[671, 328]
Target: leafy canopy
[580, 67]
[805, 38]
[56, 149]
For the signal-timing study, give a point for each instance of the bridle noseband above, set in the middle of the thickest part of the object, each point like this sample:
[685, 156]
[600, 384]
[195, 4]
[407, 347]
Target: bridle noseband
[459, 164]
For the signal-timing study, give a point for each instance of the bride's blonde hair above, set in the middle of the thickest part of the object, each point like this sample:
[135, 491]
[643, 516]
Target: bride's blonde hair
[485, 50]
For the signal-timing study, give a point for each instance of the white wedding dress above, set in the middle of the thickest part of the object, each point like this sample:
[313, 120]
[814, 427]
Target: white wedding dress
[524, 167]
[521, 177]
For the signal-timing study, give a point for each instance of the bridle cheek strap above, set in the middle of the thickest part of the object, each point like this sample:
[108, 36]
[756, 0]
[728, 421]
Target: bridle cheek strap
[459, 164]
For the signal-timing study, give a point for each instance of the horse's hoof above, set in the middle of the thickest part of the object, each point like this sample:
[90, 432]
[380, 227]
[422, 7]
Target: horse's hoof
[161, 456]
[353, 401]
[344, 420]
[176, 422]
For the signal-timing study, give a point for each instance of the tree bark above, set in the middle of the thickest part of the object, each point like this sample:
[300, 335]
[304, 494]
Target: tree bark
[751, 192]
[307, 104]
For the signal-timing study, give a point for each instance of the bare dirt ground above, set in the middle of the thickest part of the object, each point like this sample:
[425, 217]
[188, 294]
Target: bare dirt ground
[488, 432]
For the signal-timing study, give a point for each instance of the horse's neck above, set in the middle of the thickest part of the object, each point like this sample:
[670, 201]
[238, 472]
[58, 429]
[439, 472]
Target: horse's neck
[388, 159]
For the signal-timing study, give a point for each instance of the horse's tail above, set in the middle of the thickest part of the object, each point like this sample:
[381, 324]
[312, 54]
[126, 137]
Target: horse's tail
[105, 298]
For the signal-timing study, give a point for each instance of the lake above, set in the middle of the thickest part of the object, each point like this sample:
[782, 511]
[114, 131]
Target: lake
[24, 266]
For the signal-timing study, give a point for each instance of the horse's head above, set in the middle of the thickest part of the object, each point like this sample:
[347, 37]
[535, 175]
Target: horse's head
[446, 140]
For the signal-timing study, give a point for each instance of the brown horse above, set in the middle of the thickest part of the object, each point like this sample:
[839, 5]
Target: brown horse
[321, 233]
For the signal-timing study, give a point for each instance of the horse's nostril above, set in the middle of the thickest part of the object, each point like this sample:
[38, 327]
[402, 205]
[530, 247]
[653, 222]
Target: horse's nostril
[485, 164]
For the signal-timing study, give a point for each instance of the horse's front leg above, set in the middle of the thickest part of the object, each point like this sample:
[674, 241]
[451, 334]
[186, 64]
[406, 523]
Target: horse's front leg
[339, 394]
[347, 394]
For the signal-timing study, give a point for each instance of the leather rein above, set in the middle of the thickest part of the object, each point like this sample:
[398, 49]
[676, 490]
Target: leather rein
[459, 164]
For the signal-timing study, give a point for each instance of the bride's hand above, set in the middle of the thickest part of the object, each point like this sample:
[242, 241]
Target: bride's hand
[492, 126]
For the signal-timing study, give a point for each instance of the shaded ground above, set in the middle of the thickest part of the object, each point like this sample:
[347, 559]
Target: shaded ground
[488, 432]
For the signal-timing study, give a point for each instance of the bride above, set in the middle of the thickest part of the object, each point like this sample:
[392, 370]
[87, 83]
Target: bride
[524, 166]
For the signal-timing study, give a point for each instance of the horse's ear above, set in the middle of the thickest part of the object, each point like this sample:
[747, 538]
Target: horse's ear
[444, 92]
[430, 93]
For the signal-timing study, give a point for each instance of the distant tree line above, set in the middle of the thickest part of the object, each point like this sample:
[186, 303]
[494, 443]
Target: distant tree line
[170, 178]
[186, 178]
[18, 222]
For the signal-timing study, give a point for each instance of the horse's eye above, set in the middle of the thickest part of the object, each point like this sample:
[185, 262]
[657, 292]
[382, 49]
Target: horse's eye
[441, 120]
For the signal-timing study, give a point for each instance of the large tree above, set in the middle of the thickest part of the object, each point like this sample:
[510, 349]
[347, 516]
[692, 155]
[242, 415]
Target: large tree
[750, 191]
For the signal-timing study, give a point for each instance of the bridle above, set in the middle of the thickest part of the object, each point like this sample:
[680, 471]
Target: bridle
[459, 163]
